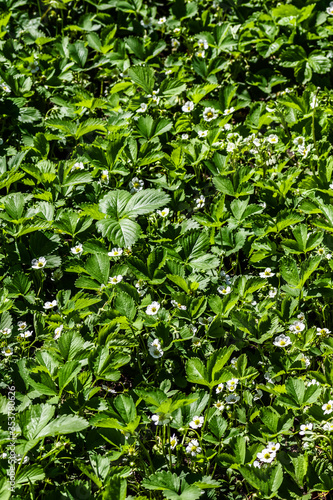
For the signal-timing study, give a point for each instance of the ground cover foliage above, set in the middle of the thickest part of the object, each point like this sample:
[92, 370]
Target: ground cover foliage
[166, 240]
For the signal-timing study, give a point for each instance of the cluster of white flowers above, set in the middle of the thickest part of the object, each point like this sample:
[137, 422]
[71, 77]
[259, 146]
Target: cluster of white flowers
[232, 384]
[136, 185]
[155, 349]
[38, 263]
[267, 455]
[153, 308]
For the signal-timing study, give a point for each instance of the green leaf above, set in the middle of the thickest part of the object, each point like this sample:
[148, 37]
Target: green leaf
[65, 424]
[196, 372]
[98, 266]
[124, 232]
[319, 62]
[143, 76]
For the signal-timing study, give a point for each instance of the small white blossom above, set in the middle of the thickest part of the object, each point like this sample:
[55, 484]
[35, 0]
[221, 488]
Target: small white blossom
[153, 308]
[200, 201]
[175, 43]
[328, 426]
[272, 293]
[329, 10]
[184, 137]
[219, 388]
[201, 53]
[50, 305]
[57, 332]
[297, 327]
[219, 405]
[77, 166]
[228, 111]
[196, 422]
[256, 464]
[299, 141]
[232, 398]
[301, 316]
[8, 351]
[193, 447]
[5, 87]
[173, 441]
[115, 252]
[304, 428]
[160, 419]
[328, 407]
[224, 290]
[22, 325]
[282, 341]
[232, 384]
[38, 263]
[178, 305]
[142, 108]
[273, 139]
[203, 44]
[155, 349]
[202, 133]
[105, 176]
[323, 331]
[136, 185]
[163, 213]
[115, 279]
[271, 446]
[6, 331]
[162, 20]
[266, 456]
[209, 114]
[26, 334]
[188, 107]
[78, 249]
[267, 273]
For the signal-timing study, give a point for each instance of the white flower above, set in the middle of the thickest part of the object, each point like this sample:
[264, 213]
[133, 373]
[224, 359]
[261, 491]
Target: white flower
[175, 43]
[146, 23]
[115, 279]
[329, 11]
[7, 352]
[299, 141]
[297, 327]
[26, 334]
[323, 331]
[232, 398]
[57, 332]
[228, 111]
[77, 166]
[256, 464]
[205, 321]
[22, 325]
[328, 256]
[160, 419]
[202, 133]
[301, 316]
[49, 305]
[5, 87]
[162, 20]
[304, 151]
[209, 114]
[193, 447]
[231, 147]
[136, 185]
[115, 252]
[185, 137]
[142, 108]
[155, 349]
[267, 456]
[78, 249]
[196, 422]
[200, 53]
[233, 362]
[200, 201]
[311, 382]
[224, 290]
[188, 107]
[267, 273]
[163, 213]
[203, 44]
[227, 126]
[219, 388]
[105, 176]
[38, 263]
[6, 331]
[173, 441]
[273, 139]
[178, 305]
[331, 185]
[232, 384]
[219, 405]
[306, 360]
[258, 395]
[282, 341]
[271, 446]
[272, 293]
[328, 426]
[328, 407]
[153, 308]
[304, 428]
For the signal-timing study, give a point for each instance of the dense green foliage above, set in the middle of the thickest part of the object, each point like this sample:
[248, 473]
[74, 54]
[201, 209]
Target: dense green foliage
[166, 240]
